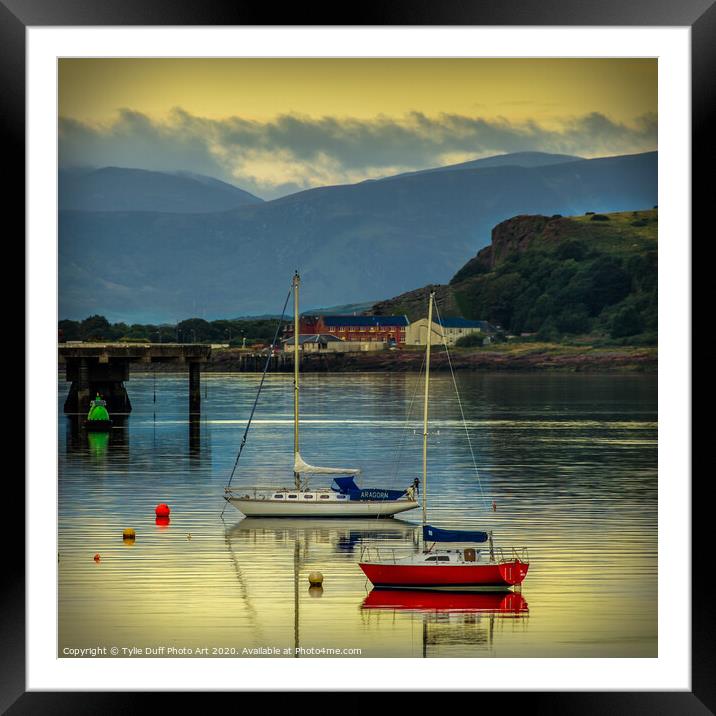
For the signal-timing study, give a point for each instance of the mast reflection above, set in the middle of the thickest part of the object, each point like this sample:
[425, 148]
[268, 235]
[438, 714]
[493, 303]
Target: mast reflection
[451, 618]
[323, 542]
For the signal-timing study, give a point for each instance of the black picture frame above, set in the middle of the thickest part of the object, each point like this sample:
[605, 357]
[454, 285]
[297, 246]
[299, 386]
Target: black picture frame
[699, 15]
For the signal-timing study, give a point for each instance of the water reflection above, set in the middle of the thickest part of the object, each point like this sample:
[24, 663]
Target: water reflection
[570, 459]
[446, 619]
[449, 618]
[318, 543]
[80, 440]
[195, 436]
[512, 603]
[340, 536]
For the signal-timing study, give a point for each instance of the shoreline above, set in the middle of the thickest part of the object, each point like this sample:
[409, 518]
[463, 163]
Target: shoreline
[505, 358]
[524, 357]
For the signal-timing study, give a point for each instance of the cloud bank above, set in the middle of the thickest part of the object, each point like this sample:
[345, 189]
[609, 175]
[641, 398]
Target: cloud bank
[293, 152]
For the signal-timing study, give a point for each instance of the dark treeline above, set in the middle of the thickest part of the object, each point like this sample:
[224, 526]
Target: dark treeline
[191, 330]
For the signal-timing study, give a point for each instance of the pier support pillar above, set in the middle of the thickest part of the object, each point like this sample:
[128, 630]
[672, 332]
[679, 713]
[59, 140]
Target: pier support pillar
[83, 386]
[90, 376]
[194, 387]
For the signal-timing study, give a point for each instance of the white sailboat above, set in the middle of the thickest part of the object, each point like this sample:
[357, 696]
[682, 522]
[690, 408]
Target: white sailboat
[343, 498]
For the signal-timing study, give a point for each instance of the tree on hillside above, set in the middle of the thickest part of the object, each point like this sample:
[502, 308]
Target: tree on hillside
[627, 322]
[610, 283]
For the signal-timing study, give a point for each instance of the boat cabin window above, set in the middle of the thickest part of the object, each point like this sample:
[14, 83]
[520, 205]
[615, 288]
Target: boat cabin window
[292, 497]
[443, 559]
[278, 497]
[308, 497]
[341, 497]
[431, 559]
[325, 497]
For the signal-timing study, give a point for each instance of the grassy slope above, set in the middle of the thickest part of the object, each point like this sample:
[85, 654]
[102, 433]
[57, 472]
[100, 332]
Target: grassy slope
[619, 236]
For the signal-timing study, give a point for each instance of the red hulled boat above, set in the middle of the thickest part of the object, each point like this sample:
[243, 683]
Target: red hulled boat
[453, 569]
[458, 568]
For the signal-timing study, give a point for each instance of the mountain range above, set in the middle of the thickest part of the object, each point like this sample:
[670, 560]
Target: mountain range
[117, 189]
[125, 253]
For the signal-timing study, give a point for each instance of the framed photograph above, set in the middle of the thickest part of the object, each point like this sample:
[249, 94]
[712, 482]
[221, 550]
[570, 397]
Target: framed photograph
[352, 333]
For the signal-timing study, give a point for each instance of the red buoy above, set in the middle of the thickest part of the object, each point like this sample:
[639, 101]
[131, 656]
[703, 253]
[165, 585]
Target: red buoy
[96, 558]
[162, 510]
[162, 521]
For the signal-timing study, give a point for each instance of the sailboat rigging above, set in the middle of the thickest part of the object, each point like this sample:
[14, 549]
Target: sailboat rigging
[343, 499]
[452, 569]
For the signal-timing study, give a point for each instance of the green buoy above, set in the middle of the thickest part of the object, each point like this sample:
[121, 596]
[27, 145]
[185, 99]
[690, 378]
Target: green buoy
[98, 417]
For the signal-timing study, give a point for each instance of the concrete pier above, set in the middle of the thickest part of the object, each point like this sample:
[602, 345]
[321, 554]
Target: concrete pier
[104, 367]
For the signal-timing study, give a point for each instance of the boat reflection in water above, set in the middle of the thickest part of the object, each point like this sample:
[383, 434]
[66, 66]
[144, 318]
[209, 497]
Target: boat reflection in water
[273, 557]
[342, 537]
[450, 619]
[510, 603]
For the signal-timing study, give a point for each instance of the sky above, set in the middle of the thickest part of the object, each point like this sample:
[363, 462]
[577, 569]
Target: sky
[277, 126]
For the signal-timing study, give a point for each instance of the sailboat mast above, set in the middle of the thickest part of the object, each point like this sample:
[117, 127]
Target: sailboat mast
[425, 410]
[296, 339]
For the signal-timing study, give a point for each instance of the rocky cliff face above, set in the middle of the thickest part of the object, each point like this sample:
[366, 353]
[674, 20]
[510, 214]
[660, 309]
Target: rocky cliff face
[514, 235]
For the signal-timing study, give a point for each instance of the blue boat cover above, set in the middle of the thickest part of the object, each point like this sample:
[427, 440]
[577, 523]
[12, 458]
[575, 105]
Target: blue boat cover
[433, 534]
[346, 486]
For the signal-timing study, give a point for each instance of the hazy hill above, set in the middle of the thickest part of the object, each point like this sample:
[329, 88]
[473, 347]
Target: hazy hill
[117, 189]
[515, 159]
[349, 242]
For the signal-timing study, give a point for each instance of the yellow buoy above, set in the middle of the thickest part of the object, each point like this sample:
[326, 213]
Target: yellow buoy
[129, 535]
[315, 578]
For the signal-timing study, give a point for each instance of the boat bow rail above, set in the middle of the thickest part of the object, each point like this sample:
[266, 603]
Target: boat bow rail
[521, 554]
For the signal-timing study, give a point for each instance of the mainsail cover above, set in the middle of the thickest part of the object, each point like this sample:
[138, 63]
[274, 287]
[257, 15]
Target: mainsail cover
[346, 486]
[302, 467]
[434, 534]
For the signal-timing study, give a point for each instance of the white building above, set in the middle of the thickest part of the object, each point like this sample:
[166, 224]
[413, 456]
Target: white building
[451, 328]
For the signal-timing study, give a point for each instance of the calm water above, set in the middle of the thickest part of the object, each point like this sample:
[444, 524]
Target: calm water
[571, 461]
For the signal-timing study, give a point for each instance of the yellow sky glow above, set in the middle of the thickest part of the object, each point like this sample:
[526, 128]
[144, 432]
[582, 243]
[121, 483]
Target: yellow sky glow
[546, 90]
